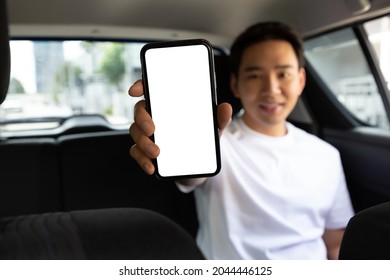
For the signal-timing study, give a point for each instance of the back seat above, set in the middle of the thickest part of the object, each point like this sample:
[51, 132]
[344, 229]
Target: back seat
[84, 171]
[98, 172]
[30, 179]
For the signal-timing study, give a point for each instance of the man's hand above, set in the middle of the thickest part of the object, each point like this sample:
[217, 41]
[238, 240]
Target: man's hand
[144, 150]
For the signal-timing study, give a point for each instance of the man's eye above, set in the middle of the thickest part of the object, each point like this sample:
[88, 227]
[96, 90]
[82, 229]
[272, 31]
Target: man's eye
[283, 75]
[253, 76]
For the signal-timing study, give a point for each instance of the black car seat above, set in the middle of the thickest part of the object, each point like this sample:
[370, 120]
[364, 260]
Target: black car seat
[101, 234]
[112, 233]
[367, 235]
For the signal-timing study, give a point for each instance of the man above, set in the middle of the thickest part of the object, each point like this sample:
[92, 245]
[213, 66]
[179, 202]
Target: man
[281, 192]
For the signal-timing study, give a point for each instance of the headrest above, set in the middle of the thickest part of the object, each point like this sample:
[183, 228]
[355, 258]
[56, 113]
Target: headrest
[222, 75]
[4, 52]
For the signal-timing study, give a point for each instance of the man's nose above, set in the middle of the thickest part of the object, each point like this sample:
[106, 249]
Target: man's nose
[271, 86]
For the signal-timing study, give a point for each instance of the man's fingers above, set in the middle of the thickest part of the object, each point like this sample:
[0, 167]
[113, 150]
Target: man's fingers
[143, 119]
[137, 89]
[143, 142]
[142, 160]
[224, 113]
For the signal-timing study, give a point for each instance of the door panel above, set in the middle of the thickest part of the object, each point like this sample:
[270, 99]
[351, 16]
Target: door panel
[365, 153]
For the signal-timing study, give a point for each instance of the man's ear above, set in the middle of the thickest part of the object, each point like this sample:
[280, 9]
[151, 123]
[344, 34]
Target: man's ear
[302, 78]
[234, 85]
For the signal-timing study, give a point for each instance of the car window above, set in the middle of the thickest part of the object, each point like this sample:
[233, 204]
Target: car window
[379, 37]
[339, 60]
[52, 80]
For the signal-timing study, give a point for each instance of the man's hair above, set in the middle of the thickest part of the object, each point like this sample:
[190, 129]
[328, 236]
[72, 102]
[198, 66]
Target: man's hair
[264, 31]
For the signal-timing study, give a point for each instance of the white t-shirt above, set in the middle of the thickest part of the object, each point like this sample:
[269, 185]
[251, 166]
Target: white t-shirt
[273, 197]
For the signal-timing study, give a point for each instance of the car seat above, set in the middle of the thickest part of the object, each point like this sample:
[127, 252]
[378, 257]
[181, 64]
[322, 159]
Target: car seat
[101, 234]
[367, 235]
[112, 233]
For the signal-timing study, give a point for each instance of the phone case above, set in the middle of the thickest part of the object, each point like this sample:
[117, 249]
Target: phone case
[180, 94]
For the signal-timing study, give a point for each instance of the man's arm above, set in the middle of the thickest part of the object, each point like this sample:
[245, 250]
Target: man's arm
[332, 239]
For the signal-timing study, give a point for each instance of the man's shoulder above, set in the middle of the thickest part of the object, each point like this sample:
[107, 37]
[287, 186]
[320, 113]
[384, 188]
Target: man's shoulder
[308, 138]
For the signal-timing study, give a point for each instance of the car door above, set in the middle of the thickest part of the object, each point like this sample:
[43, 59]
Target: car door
[348, 93]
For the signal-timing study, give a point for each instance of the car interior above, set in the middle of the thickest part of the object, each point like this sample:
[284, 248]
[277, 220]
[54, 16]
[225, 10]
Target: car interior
[41, 225]
[73, 191]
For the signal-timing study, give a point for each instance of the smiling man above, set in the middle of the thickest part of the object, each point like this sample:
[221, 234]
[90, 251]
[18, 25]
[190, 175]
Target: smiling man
[281, 192]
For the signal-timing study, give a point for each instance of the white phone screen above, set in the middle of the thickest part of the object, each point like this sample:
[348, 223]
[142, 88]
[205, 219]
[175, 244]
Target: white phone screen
[180, 91]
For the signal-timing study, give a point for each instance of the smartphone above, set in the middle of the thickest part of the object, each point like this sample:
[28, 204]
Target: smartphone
[180, 94]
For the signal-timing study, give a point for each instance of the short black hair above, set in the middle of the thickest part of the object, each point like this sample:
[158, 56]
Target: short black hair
[263, 31]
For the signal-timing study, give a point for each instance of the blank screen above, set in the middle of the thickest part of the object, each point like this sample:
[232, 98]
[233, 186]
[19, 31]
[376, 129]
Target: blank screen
[181, 103]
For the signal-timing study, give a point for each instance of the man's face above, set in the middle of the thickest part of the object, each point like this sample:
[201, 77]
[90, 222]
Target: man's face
[269, 84]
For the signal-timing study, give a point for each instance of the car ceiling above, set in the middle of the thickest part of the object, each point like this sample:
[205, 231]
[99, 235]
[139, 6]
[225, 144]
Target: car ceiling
[225, 18]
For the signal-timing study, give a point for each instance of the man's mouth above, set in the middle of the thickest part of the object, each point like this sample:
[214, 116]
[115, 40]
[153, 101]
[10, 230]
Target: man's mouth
[270, 107]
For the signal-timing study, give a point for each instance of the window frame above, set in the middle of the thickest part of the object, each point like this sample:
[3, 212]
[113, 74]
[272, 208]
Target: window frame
[363, 40]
